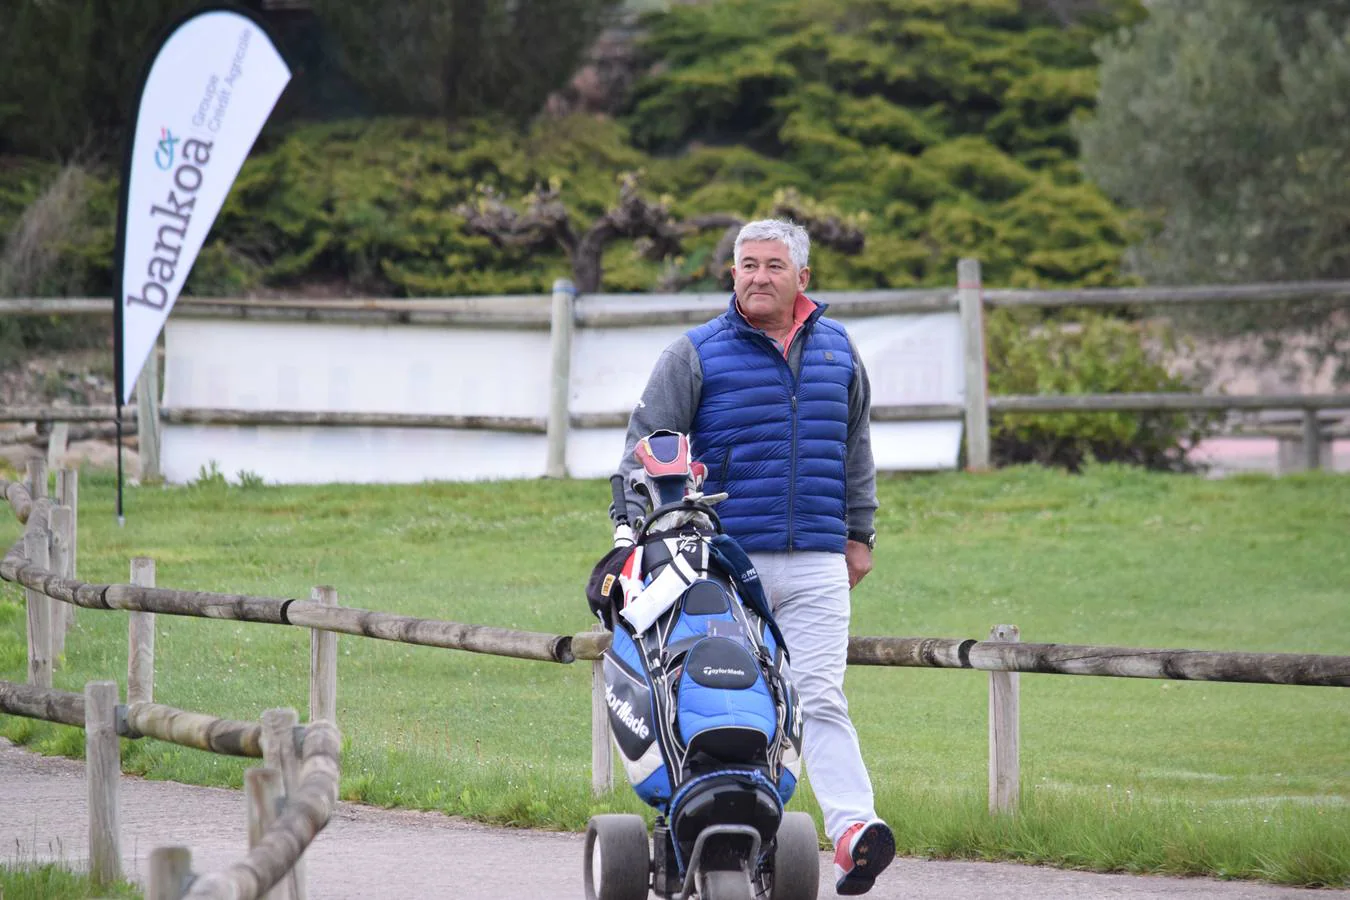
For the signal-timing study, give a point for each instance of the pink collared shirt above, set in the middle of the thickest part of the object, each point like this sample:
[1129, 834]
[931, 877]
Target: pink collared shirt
[802, 309]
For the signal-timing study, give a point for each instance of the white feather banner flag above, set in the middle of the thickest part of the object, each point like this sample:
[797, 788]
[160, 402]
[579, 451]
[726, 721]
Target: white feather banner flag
[209, 89]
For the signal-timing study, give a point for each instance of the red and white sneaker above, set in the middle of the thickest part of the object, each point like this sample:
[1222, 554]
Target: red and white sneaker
[861, 854]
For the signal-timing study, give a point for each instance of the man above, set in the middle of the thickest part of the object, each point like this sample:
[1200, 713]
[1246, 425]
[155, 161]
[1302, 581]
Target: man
[776, 403]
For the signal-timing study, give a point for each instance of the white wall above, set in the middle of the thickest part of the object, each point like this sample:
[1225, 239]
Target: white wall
[481, 370]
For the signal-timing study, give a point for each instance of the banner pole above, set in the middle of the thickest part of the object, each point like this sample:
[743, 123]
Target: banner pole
[204, 94]
[121, 519]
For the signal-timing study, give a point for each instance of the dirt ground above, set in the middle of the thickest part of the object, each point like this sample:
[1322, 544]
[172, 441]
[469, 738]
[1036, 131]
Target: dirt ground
[367, 853]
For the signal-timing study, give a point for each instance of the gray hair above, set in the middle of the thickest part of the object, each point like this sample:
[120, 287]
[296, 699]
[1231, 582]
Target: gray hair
[790, 233]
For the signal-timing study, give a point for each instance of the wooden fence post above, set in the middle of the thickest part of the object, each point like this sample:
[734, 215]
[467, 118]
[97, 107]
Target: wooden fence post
[170, 873]
[602, 747]
[1004, 731]
[61, 522]
[265, 799]
[37, 477]
[279, 753]
[971, 301]
[56, 445]
[1312, 441]
[68, 494]
[141, 639]
[147, 418]
[560, 377]
[323, 663]
[103, 771]
[278, 741]
[38, 550]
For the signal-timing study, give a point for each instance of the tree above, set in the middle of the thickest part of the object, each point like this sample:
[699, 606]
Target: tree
[462, 58]
[1225, 122]
[68, 71]
[947, 122]
[544, 222]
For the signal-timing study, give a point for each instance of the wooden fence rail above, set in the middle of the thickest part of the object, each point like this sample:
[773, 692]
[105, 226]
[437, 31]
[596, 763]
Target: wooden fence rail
[309, 796]
[1003, 404]
[16, 567]
[189, 729]
[1311, 669]
[65, 414]
[563, 312]
[1266, 668]
[535, 310]
[48, 704]
[1067, 659]
[199, 731]
[306, 812]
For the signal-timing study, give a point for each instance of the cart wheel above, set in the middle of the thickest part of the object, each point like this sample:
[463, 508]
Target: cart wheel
[617, 864]
[724, 884]
[796, 859]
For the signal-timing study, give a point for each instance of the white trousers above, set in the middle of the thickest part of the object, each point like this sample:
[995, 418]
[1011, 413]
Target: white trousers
[809, 594]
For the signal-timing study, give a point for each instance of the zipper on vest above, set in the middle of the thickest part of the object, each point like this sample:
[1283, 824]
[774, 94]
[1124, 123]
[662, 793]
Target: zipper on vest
[794, 378]
[792, 471]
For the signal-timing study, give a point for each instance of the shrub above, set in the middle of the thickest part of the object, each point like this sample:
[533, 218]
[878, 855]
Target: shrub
[462, 58]
[37, 260]
[943, 124]
[1091, 354]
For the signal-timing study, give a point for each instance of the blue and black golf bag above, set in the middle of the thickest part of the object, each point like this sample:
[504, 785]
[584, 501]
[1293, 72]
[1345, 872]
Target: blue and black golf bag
[700, 700]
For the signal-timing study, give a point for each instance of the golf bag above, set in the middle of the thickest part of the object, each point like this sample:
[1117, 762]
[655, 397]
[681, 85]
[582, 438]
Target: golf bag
[700, 700]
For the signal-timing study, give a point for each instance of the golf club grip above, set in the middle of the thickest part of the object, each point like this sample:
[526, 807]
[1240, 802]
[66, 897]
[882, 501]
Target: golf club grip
[620, 499]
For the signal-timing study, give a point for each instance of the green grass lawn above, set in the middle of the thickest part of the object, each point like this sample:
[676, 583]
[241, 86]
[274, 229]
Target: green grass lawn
[51, 882]
[1249, 781]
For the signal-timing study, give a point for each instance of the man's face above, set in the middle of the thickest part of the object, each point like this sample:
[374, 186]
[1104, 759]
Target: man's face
[767, 282]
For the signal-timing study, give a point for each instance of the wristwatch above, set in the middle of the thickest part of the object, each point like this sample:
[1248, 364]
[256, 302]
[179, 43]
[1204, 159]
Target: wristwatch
[864, 537]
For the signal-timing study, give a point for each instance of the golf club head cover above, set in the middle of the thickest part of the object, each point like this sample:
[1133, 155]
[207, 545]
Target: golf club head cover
[667, 465]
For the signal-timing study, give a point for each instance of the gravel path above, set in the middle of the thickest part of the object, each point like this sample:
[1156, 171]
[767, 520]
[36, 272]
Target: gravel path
[372, 854]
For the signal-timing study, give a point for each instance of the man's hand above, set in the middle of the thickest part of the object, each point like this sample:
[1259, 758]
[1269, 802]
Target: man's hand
[858, 557]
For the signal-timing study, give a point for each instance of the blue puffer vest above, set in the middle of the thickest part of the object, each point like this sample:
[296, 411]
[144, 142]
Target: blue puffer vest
[774, 443]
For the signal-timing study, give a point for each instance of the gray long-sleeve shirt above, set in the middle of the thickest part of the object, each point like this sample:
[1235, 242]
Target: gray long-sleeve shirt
[672, 397]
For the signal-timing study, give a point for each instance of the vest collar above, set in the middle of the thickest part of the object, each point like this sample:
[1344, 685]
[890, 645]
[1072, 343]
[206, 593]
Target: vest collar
[740, 321]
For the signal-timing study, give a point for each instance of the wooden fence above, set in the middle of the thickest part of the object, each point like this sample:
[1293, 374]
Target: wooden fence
[289, 799]
[564, 311]
[50, 576]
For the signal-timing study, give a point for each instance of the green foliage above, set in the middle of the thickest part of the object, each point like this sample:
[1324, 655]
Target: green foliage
[53, 882]
[901, 73]
[926, 115]
[462, 58]
[67, 73]
[43, 253]
[1091, 355]
[373, 204]
[979, 168]
[209, 477]
[452, 58]
[1225, 122]
[944, 126]
[223, 271]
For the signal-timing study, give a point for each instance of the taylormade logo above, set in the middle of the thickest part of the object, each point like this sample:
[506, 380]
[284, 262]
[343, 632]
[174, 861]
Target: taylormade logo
[624, 710]
[709, 671]
[177, 209]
